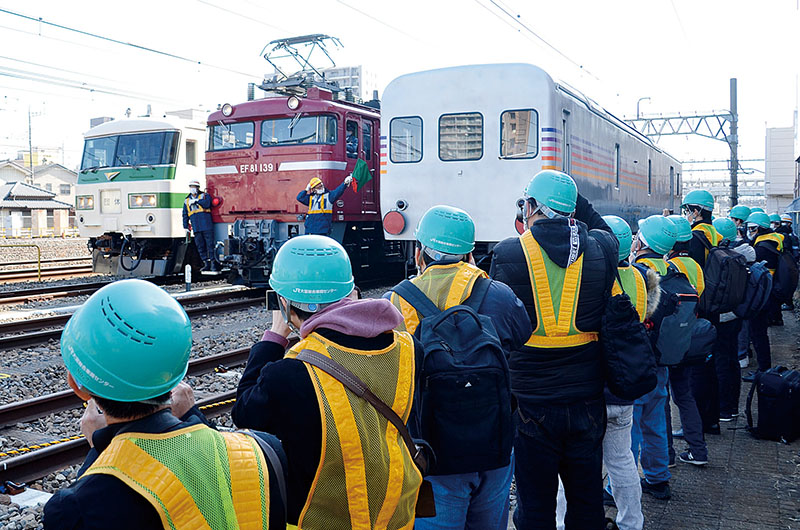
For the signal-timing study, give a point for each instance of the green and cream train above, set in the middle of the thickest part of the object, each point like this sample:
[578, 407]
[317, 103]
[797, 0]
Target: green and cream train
[133, 180]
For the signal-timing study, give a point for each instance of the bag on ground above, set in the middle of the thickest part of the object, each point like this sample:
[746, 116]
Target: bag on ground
[778, 391]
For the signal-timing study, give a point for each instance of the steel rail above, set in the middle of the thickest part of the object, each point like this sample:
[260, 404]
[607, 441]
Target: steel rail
[51, 272]
[58, 291]
[48, 260]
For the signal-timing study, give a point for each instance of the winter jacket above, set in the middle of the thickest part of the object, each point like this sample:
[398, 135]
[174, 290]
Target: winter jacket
[199, 219]
[103, 501]
[320, 209]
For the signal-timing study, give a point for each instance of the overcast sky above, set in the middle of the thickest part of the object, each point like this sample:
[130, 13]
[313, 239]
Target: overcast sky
[680, 53]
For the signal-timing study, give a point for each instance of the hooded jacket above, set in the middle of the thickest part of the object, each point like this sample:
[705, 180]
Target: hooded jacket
[276, 395]
[558, 375]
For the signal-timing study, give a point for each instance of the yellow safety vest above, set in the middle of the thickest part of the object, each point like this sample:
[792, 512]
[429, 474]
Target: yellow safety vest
[634, 286]
[555, 295]
[692, 270]
[319, 204]
[175, 471]
[366, 476]
[710, 233]
[657, 264]
[194, 208]
[446, 285]
[774, 237]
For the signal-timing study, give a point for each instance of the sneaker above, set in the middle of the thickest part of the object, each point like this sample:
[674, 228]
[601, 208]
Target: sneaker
[688, 458]
[608, 499]
[659, 490]
[728, 417]
[677, 434]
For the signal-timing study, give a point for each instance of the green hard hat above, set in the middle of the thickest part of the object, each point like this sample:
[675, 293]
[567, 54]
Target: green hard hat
[658, 233]
[130, 341]
[554, 189]
[739, 211]
[774, 218]
[447, 229]
[757, 209]
[682, 227]
[759, 218]
[726, 228]
[622, 231]
[312, 270]
[701, 198]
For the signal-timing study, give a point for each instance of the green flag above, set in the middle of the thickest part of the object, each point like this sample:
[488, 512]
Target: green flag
[361, 175]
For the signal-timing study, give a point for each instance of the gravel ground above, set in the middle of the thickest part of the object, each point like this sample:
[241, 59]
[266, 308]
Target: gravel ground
[240, 328]
[51, 248]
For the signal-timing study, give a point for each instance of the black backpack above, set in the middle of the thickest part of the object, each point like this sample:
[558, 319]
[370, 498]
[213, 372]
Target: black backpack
[778, 405]
[725, 276]
[675, 318]
[757, 291]
[784, 283]
[465, 411]
[701, 348]
[628, 358]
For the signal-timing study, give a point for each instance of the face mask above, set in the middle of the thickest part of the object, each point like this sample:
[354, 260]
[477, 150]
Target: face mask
[193, 191]
[319, 191]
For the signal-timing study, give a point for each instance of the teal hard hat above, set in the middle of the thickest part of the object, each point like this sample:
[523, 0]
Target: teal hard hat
[554, 190]
[447, 229]
[312, 270]
[757, 209]
[701, 198]
[683, 229]
[759, 218]
[658, 233]
[774, 218]
[726, 228]
[130, 341]
[739, 211]
[622, 231]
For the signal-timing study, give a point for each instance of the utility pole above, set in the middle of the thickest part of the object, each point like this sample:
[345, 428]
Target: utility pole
[30, 146]
[733, 141]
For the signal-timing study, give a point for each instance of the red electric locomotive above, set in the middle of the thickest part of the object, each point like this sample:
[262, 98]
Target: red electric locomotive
[262, 153]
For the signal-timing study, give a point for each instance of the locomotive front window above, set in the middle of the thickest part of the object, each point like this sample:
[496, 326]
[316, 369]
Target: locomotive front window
[232, 136]
[98, 152]
[319, 129]
[461, 136]
[406, 139]
[519, 134]
[144, 149]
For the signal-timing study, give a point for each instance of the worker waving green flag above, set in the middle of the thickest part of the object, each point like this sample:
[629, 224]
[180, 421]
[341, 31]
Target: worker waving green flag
[361, 175]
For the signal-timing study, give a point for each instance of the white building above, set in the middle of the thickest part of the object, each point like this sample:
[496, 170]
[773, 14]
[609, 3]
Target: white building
[357, 78]
[780, 166]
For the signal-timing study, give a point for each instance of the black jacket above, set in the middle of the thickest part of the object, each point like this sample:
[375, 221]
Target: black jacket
[559, 375]
[102, 501]
[767, 250]
[276, 395]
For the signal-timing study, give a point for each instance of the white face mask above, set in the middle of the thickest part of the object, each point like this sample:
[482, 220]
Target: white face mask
[319, 191]
[193, 190]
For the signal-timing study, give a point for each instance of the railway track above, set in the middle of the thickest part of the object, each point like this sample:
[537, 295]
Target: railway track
[48, 260]
[33, 331]
[65, 271]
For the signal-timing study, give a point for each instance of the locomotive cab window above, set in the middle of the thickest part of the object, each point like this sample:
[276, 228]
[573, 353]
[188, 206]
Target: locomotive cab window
[519, 134]
[366, 135]
[405, 139]
[461, 136]
[191, 153]
[352, 139]
[145, 149]
[231, 136]
[299, 129]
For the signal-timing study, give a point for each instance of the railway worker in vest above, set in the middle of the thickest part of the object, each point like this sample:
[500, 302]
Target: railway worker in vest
[559, 272]
[126, 350]
[739, 215]
[656, 237]
[473, 492]
[767, 244]
[197, 216]
[320, 205]
[680, 376]
[348, 467]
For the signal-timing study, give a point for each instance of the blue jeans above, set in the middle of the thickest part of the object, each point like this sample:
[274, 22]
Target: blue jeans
[470, 500]
[649, 432]
[566, 440]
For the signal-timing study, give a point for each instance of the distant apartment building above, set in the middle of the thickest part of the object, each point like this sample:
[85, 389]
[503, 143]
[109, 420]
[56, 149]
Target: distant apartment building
[781, 166]
[361, 81]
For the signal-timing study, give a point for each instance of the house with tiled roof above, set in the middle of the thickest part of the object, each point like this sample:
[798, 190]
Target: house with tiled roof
[52, 177]
[25, 208]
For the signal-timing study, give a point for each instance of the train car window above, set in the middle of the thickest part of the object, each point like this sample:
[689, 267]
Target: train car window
[461, 136]
[191, 150]
[146, 149]
[406, 139]
[98, 152]
[352, 139]
[231, 136]
[519, 134]
[649, 177]
[170, 153]
[366, 136]
[318, 129]
[616, 164]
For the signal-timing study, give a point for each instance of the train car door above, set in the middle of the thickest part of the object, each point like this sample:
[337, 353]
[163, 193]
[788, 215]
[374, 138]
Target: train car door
[566, 152]
[369, 153]
[352, 151]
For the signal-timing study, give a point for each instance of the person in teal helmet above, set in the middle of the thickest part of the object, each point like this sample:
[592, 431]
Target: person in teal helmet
[726, 228]
[448, 277]
[739, 215]
[324, 426]
[558, 377]
[126, 351]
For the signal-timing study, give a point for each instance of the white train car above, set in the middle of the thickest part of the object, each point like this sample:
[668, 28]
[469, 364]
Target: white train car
[133, 180]
[473, 136]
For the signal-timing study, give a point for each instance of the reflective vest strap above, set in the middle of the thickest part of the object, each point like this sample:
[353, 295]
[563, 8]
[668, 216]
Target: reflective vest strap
[691, 270]
[657, 265]
[634, 283]
[462, 284]
[410, 316]
[321, 207]
[546, 315]
[776, 238]
[191, 211]
[709, 232]
[251, 512]
[144, 474]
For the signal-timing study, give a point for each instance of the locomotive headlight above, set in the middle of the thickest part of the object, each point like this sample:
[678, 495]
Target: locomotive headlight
[227, 109]
[293, 103]
[90, 202]
[84, 202]
[139, 200]
[151, 200]
[142, 201]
